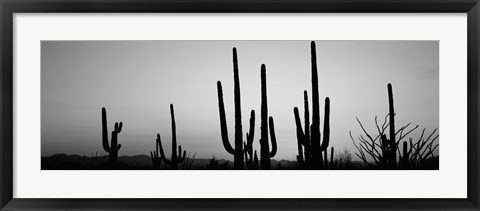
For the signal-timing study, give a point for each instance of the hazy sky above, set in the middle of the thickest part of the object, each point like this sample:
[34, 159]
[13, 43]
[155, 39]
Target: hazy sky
[137, 80]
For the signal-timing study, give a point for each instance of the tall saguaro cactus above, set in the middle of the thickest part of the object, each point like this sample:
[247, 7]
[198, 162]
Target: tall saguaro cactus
[238, 151]
[114, 147]
[310, 140]
[175, 159]
[389, 146]
[265, 153]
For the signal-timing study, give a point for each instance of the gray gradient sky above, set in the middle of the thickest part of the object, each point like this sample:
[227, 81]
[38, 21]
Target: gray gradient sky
[137, 80]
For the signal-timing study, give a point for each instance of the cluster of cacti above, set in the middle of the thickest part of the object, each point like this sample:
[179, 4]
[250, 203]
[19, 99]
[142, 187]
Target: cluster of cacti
[265, 153]
[238, 151]
[113, 147]
[156, 160]
[310, 146]
[175, 158]
[251, 158]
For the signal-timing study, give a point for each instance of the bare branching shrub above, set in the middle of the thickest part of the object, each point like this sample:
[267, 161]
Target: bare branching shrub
[383, 149]
[416, 153]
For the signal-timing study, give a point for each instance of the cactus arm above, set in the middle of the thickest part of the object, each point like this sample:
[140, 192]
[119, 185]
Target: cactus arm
[272, 138]
[307, 118]
[118, 127]
[156, 161]
[223, 121]
[118, 147]
[106, 147]
[114, 146]
[162, 153]
[153, 158]
[326, 126]
[300, 135]
[307, 140]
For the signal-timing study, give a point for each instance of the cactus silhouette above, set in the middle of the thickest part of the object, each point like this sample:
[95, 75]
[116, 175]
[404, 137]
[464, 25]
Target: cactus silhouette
[156, 160]
[404, 162]
[238, 151]
[389, 147]
[310, 140]
[265, 153]
[175, 159]
[113, 148]
[251, 161]
[328, 164]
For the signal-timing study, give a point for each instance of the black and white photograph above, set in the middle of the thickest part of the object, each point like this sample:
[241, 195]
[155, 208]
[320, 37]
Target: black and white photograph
[240, 105]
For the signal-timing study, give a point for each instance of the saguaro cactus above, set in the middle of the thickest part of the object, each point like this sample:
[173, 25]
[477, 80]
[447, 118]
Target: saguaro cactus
[303, 138]
[114, 147]
[156, 160]
[175, 159]
[238, 151]
[265, 153]
[311, 140]
[389, 146]
[251, 161]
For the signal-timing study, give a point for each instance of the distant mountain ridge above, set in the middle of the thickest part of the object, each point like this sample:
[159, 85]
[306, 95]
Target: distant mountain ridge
[136, 162]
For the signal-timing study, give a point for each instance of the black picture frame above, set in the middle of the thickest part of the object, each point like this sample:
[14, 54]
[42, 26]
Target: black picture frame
[9, 7]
